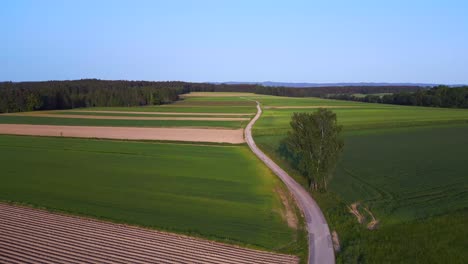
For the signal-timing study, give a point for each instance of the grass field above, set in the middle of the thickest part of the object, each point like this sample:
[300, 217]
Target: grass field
[183, 108]
[202, 106]
[37, 120]
[145, 114]
[363, 116]
[219, 192]
[406, 164]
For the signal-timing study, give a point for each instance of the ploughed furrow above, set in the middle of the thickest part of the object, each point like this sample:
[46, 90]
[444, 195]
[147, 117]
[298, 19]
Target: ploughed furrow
[80, 225]
[78, 254]
[75, 233]
[35, 236]
[94, 246]
[10, 260]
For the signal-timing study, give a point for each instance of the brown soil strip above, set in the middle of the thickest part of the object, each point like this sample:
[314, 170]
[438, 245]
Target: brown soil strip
[137, 117]
[233, 136]
[355, 211]
[336, 241]
[289, 214]
[37, 236]
[373, 224]
[160, 113]
[309, 106]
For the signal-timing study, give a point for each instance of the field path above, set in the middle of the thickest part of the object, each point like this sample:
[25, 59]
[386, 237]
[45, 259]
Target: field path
[320, 242]
[30, 235]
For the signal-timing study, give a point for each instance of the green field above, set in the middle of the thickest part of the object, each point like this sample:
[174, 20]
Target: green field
[406, 164]
[182, 108]
[230, 105]
[219, 192]
[144, 114]
[364, 116]
[38, 120]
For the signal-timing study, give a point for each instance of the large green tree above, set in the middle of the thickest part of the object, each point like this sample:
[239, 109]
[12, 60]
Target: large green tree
[314, 145]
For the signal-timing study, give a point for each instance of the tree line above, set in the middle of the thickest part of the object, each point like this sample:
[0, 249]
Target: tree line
[50, 95]
[439, 96]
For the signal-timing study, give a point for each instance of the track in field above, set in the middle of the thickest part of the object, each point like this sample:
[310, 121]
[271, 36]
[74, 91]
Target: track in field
[35, 236]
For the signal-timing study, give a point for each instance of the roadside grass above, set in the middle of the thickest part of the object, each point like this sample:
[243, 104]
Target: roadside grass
[40, 120]
[217, 192]
[407, 165]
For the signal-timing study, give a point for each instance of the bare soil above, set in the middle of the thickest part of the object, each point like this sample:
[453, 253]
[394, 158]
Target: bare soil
[374, 223]
[355, 211]
[336, 241]
[37, 236]
[288, 214]
[233, 136]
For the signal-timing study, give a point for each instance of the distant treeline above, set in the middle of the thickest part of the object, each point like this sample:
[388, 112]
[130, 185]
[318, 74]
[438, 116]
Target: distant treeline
[439, 96]
[50, 95]
[28, 96]
[299, 92]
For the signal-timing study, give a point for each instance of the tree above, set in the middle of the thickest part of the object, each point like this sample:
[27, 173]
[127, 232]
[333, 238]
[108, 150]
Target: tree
[313, 145]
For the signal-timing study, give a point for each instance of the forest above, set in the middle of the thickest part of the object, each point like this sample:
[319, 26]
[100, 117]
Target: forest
[29, 96]
[439, 96]
[50, 95]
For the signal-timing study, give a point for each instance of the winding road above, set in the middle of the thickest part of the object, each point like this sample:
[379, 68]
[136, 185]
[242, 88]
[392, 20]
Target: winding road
[320, 242]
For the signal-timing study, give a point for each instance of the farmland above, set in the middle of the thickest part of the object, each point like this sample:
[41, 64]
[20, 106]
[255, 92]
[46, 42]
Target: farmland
[407, 165]
[220, 192]
[225, 114]
[26, 238]
[404, 164]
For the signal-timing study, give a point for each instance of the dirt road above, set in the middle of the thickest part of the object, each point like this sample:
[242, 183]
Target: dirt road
[320, 242]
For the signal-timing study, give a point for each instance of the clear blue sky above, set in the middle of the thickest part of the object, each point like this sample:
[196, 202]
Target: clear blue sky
[221, 40]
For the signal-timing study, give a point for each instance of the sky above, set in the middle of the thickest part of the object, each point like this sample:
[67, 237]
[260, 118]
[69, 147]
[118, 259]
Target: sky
[324, 41]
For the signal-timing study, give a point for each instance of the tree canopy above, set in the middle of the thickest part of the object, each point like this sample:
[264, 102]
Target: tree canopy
[50, 95]
[313, 145]
[439, 96]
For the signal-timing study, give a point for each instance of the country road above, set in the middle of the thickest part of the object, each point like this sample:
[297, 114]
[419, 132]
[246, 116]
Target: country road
[320, 243]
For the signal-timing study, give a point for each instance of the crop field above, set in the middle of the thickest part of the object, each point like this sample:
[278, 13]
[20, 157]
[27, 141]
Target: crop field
[406, 165]
[355, 115]
[26, 237]
[37, 120]
[227, 114]
[222, 121]
[219, 192]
